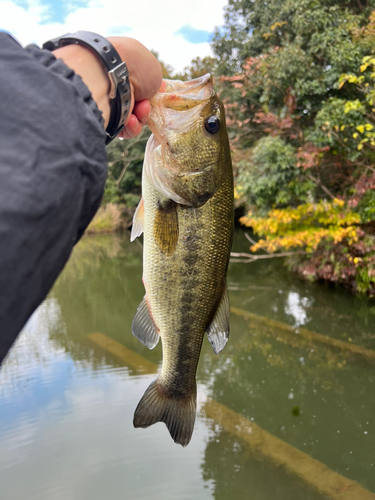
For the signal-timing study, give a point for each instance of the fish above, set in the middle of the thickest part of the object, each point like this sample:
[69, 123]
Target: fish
[186, 217]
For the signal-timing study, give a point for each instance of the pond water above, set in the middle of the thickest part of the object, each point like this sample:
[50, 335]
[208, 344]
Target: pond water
[67, 401]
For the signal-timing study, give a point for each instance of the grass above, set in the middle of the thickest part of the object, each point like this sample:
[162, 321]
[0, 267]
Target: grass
[108, 219]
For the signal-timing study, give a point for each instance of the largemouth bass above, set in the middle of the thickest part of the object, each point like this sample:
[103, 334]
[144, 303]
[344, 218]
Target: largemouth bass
[186, 215]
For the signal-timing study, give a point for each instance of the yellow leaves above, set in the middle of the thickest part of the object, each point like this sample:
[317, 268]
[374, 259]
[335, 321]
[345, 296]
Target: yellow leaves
[238, 192]
[362, 128]
[305, 226]
[355, 260]
[366, 130]
[352, 106]
[349, 78]
[339, 202]
[278, 24]
[365, 87]
[366, 62]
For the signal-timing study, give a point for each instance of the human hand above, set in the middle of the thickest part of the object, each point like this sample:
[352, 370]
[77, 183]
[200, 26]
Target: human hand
[145, 76]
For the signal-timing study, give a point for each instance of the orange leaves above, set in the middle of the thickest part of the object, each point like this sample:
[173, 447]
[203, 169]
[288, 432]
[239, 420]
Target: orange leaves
[309, 155]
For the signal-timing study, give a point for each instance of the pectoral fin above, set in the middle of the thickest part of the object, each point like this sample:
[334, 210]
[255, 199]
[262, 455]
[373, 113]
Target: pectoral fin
[166, 226]
[161, 178]
[138, 218]
[218, 330]
[143, 326]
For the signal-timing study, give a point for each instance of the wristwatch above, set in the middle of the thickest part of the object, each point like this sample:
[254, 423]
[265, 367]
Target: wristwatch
[120, 92]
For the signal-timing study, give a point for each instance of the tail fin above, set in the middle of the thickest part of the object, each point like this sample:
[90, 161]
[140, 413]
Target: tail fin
[178, 414]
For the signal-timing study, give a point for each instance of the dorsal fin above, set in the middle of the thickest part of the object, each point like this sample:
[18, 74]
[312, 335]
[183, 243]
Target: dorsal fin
[143, 326]
[218, 330]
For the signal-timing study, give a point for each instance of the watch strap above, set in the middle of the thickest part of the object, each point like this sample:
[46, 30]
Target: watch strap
[120, 92]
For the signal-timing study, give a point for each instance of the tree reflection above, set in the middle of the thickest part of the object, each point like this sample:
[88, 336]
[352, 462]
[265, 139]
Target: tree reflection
[238, 472]
[99, 291]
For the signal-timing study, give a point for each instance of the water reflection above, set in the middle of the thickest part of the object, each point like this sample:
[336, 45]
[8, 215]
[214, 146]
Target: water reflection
[269, 289]
[65, 428]
[297, 307]
[66, 404]
[241, 475]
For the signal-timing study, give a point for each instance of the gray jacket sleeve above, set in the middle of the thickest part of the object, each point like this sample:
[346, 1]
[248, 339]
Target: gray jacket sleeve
[53, 168]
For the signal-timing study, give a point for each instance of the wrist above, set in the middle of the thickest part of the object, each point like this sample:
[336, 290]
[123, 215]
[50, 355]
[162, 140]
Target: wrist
[89, 67]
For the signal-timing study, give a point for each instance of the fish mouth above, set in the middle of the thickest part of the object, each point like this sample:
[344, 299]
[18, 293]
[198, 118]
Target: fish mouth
[199, 89]
[178, 98]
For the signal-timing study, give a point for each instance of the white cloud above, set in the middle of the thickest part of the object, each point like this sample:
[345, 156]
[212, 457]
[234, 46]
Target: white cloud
[152, 23]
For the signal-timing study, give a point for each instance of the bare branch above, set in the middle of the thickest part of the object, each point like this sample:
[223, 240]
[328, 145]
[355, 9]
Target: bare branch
[123, 171]
[253, 242]
[248, 258]
[325, 189]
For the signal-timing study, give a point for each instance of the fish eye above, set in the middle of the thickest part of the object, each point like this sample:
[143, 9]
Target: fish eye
[212, 124]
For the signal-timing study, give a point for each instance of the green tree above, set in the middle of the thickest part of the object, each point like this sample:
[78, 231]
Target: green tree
[198, 67]
[125, 160]
[298, 79]
[273, 177]
[281, 65]
[254, 27]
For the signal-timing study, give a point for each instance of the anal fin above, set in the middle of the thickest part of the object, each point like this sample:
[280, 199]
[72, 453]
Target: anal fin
[143, 326]
[218, 330]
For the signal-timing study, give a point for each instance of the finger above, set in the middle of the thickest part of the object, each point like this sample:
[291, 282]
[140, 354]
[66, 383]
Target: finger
[131, 129]
[142, 110]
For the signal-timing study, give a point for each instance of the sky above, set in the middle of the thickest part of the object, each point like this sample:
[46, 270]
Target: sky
[177, 30]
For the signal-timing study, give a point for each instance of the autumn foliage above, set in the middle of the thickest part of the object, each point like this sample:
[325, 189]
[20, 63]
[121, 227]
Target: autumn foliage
[299, 86]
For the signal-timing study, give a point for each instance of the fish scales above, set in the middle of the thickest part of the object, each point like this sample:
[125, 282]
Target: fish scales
[186, 253]
[191, 267]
